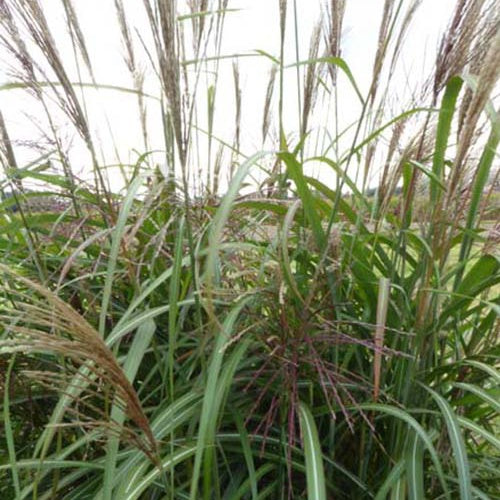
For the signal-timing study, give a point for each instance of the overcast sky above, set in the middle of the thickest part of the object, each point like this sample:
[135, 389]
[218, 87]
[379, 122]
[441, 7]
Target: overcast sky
[254, 26]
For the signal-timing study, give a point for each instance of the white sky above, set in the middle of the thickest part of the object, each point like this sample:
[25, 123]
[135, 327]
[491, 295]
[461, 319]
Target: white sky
[255, 26]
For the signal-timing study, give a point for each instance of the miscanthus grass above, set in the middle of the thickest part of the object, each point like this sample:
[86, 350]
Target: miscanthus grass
[318, 339]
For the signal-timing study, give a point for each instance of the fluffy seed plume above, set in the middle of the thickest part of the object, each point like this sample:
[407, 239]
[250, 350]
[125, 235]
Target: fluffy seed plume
[36, 321]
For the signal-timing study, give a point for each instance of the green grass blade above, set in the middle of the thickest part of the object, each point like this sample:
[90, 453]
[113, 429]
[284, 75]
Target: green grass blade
[142, 339]
[457, 444]
[489, 370]
[248, 483]
[446, 113]
[205, 13]
[481, 394]
[335, 61]
[315, 474]
[478, 187]
[174, 290]
[247, 453]
[222, 215]
[295, 171]
[115, 248]
[390, 481]
[9, 435]
[174, 301]
[414, 460]
[406, 417]
[126, 90]
[474, 427]
[373, 135]
[481, 276]
[166, 464]
[50, 464]
[384, 291]
[130, 473]
[146, 293]
[209, 411]
[429, 173]
[138, 319]
[342, 175]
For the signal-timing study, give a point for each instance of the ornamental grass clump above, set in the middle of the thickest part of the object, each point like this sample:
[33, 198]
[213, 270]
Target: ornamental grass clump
[318, 319]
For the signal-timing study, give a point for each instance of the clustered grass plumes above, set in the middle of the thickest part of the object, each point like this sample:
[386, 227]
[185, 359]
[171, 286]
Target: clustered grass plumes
[182, 339]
